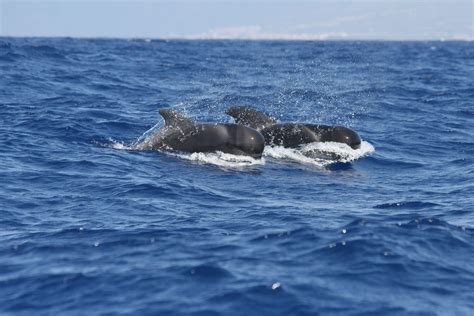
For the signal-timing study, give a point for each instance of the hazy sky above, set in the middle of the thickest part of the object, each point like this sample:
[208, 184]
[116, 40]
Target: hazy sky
[281, 19]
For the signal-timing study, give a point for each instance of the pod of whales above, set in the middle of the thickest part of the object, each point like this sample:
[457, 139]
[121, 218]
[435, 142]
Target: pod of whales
[182, 134]
[292, 134]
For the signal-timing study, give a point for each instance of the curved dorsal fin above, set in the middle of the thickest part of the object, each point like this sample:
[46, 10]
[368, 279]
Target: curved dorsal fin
[175, 119]
[249, 116]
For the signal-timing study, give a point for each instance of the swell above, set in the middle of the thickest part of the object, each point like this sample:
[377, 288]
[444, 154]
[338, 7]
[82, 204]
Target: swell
[91, 226]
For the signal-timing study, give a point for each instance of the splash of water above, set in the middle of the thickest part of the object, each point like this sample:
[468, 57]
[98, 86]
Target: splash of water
[316, 154]
[223, 159]
[320, 154]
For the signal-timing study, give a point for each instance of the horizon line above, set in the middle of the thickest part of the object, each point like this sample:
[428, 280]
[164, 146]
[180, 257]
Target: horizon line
[250, 39]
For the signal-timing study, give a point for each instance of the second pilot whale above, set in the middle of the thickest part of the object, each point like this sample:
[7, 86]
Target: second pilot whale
[292, 134]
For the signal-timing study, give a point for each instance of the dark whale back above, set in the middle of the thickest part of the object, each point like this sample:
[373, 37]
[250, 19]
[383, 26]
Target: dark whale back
[182, 134]
[228, 138]
[249, 116]
[288, 135]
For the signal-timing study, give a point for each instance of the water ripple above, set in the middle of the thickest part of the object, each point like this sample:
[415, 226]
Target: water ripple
[91, 226]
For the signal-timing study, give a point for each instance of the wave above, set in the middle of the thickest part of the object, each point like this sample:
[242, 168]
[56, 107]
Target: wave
[406, 205]
[320, 154]
[223, 159]
[46, 51]
[11, 57]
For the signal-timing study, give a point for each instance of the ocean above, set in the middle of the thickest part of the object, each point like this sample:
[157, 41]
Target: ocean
[90, 226]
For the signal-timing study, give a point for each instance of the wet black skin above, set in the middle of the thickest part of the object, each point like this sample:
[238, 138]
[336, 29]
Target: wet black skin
[228, 138]
[181, 134]
[292, 134]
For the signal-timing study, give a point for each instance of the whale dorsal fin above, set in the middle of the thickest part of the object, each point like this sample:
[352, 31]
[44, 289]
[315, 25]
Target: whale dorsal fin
[249, 116]
[175, 119]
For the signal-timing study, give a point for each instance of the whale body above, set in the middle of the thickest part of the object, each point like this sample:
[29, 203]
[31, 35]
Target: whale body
[180, 133]
[292, 134]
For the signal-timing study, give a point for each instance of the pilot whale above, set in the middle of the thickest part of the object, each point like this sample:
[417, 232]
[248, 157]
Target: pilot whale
[180, 133]
[292, 134]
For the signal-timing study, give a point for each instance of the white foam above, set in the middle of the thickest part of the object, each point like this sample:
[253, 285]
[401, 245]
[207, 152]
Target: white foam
[119, 145]
[320, 154]
[115, 144]
[222, 159]
[291, 154]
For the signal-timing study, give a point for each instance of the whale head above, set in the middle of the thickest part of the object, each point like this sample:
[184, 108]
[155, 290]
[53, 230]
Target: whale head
[345, 135]
[246, 140]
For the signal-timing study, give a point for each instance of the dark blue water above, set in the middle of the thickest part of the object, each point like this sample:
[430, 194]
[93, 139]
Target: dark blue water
[90, 227]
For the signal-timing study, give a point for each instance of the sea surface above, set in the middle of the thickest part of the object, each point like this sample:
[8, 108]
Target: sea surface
[90, 226]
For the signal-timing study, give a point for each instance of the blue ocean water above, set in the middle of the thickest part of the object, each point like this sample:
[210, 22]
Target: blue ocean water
[89, 226]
